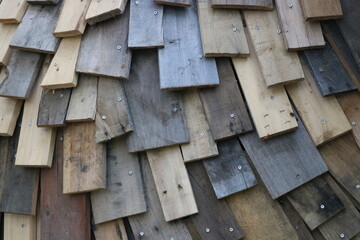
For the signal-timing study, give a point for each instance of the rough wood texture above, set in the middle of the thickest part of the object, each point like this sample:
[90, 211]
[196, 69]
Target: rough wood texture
[21, 74]
[230, 172]
[202, 144]
[19, 227]
[12, 11]
[82, 106]
[243, 4]
[222, 31]
[7, 32]
[146, 27]
[114, 230]
[103, 10]
[178, 3]
[84, 160]
[113, 117]
[158, 116]
[124, 193]
[35, 33]
[182, 39]
[71, 21]
[106, 56]
[277, 64]
[305, 35]
[226, 100]
[321, 9]
[62, 216]
[152, 223]
[173, 185]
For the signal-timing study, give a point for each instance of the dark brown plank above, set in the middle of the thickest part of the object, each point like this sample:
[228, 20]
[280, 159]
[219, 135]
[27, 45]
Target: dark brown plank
[178, 3]
[158, 116]
[243, 4]
[224, 105]
[62, 216]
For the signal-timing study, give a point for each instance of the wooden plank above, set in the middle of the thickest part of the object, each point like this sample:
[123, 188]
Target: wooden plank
[269, 107]
[316, 202]
[113, 117]
[124, 194]
[4, 147]
[330, 76]
[178, 3]
[152, 225]
[12, 11]
[103, 10]
[284, 162]
[173, 185]
[323, 117]
[72, 21]
[61, 216]
[230, 172]
[21, 74]
[305, 35]
[222, 31]
[243, 4]
[158, 116]
[182, 39]
[35, 33]
[202, 144]
[43, 2]
[114, 230]
[7, 32]
[278, 66]
[53, 108]
[19, 227]
[61, 73]
[146, 25]
[82, 106]
[321, 9]
[106, 56]
[225, 100]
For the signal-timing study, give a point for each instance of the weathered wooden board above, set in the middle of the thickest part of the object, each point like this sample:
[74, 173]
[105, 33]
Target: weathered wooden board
[316, 202]
[43, 2]
[124, 193]
[84, 160]
[226, 100]
[202, 144]
[82, 106]
[113, 117]
[305, 35]
[53, 107]
[103, 10]
[173, 185]
[61, 73]
[61, 216]
[243, 4]
[178, 3]
[278, 66]
[12, 11]
[182, 39]
[330, 76]
[215, 219]
[321, 9]
[7, 32]
[158, 116]
[114, 230]
[284, 162]
[146, 25]
[230, 172]
[323, 117]
[71, 21]
[106, 56]
[222, 31]
[21, 74]
[35, 33]
[19, 227]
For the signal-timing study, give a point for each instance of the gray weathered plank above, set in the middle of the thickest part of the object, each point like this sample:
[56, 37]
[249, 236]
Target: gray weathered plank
[229, 172]
[181, 61]
[178, 3]
[106, 56]
[243, 4]
[43, 2]
[157, 115]
[146, 25]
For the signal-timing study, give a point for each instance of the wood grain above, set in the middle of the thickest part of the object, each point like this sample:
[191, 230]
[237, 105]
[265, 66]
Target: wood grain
[19, 227]
[243, 4]
[177, 3]
[114, 230]
[103, 10]
[12, 11]
[7, 32]
[321, 9]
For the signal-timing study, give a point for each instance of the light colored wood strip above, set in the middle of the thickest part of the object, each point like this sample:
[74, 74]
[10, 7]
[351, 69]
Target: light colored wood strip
[7, 32]
[316, 10]
[12, 11]
[102, 10]
[114, 230]
[19, 227]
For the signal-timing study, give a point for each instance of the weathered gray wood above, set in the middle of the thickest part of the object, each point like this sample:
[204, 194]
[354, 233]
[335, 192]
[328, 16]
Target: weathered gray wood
[181, 61]
[158, 116]
[243, 4]
[35, 33]
[224, 105]
[53, 107]
[178, 3]
[43, 2]
[104, 48]
[21, 74]
[146, 25]
[229, 172]
[124, 193]
[284, 162]
[328, 72]
[152, 223]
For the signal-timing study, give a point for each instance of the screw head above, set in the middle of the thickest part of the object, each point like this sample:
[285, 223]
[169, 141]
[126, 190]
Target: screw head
[175, 109]
[119, 99]
[172, 238]
[234, 29]
[239, 167]
[257, 27]
[130, 172]
[342, 235]
[61, 95]
[232, 115]
[202, 134]
[207, 230]
[136, 2]
[290, 5]
[353, 123]
[323, 121]
[142, 233]
[322, 206]
[29, 123]
[118, 47]
[103, 117]
[61, 139]
[83, 99]
[272, 97]
[155, 12]
[357, 186]
[278, 31]
[200, 56]
[321, 69]
[231, 229]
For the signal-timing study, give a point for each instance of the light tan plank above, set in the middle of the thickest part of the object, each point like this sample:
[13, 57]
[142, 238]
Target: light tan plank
[7, 32]
[172, 183]
[277, 64]
[316, 10]
[12, 11]
[105, 9]
[113, 230]
[19, 227]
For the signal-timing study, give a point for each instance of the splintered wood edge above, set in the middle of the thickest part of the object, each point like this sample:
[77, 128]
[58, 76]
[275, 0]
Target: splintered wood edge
[246, 7]
[71, 33]
[286, 82]
[265, 137]
[104, 16]
[172, 4]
